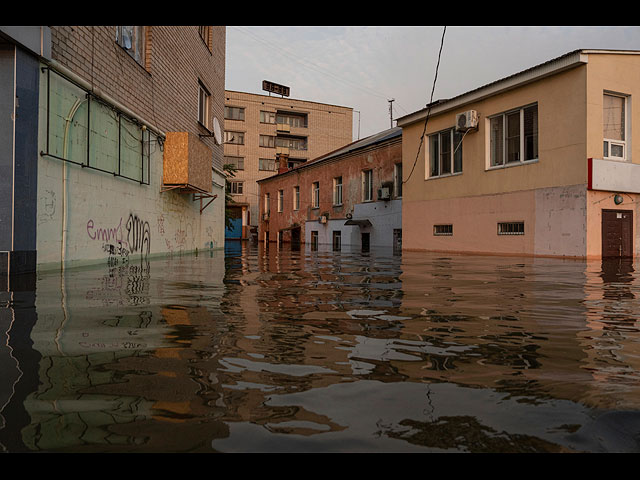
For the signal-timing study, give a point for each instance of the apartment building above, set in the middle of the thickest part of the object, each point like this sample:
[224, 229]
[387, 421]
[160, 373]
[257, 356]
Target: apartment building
[119, 142]
[542, 162]
[260, 127]
[347, 200]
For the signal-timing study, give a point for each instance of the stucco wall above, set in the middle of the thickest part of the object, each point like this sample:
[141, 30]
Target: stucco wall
[88, 216]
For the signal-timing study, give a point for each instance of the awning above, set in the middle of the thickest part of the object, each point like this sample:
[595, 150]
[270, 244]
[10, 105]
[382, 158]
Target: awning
[359, 223]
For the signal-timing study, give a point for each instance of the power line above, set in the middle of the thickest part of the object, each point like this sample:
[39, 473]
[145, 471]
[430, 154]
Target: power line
[428, 108]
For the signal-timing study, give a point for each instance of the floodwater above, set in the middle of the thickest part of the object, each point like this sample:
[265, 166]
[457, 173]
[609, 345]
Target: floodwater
[300, 351]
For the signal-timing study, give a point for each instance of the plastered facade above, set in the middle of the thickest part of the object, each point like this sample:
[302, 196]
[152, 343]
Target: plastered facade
[88, 215]
[550, 193]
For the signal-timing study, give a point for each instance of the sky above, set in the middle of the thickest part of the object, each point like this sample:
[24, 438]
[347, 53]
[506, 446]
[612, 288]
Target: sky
[364, 67]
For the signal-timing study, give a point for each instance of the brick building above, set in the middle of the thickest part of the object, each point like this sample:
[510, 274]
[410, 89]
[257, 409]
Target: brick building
[122, 158]
[349, 199]
[259, 127]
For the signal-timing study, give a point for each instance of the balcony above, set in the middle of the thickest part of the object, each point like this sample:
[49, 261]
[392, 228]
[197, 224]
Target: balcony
[187, 163]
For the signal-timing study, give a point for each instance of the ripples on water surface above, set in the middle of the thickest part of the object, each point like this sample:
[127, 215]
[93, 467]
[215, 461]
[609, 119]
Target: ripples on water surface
[299, 351]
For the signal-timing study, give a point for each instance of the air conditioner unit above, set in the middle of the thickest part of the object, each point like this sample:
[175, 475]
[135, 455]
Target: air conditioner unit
[467, 121]
[323, 219]
[384, 193]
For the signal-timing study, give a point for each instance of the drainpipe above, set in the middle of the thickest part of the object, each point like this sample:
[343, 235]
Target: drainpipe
[65, 148]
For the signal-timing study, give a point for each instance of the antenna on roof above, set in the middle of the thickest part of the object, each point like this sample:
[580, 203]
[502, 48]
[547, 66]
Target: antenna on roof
[391, 110]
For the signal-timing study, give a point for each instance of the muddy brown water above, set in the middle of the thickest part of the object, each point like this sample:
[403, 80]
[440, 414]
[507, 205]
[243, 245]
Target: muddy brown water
[285, 350]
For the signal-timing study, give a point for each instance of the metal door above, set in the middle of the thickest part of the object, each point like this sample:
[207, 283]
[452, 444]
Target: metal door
[617, 233]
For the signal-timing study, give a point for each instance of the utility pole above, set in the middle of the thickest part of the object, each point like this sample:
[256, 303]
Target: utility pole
[391, 110]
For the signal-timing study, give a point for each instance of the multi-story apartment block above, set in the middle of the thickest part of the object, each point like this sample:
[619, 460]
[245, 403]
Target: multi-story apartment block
[116, 154]
[544, 162]
[260, 127]
[347, 200]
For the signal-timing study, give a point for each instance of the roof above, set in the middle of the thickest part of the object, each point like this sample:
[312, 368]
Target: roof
[564, 62]
[362, 144]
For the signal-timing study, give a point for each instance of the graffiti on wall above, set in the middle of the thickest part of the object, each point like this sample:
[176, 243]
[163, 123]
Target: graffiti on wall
[119, 241]
[138, 235]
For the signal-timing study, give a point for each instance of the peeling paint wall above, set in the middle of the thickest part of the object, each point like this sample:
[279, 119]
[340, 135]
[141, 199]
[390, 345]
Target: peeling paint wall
[89, 216]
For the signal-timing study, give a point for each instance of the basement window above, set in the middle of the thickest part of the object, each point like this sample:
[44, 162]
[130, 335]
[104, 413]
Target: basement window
[443, 230]
[511, 228]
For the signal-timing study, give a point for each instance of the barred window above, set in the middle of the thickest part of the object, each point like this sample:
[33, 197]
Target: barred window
[511, 228]
[440, 230]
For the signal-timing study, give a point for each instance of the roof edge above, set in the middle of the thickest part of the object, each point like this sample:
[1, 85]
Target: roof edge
[554, 66]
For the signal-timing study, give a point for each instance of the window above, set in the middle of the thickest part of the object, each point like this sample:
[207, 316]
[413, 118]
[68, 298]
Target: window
[296, 198]
[445, 153]
[132, 40]
[614, 126]
[295, 143]
[236, 188]
[236, 138]
[397, 180]
[234, 113]
[205, 34]
[267, 205]
[315, 195]
[337, 240]
[280, 200]
[267, 164]
[513, 136]
[440, 230]
[203, 105]
[314, 240]
[337, 191]
[367, 185]
[511, 228]
[268, 141]
[237, 162]
[292, 120]
[267, 117]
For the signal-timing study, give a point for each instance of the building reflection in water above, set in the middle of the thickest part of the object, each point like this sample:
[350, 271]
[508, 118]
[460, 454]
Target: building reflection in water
[278, 349]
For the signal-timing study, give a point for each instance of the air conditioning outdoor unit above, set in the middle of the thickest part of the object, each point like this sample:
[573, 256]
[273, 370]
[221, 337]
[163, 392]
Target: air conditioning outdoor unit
[467, 121]
[384, 193]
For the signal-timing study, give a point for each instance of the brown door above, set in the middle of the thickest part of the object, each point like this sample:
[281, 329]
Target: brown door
[617, 233]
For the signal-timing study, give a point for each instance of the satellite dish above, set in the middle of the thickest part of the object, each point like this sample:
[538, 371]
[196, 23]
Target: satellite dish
[217, 131]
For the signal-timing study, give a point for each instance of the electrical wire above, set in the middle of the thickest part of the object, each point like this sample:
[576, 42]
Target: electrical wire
[428, 108]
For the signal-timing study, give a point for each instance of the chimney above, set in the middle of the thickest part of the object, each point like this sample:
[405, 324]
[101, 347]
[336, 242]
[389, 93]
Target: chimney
[282, 162]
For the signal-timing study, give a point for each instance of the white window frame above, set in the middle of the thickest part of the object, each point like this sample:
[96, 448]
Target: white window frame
[337, 191]
[296, 197]
[503, 116]
[608, 142]
[204, 101]
[267, 206]
[280, 200]
[233, 188]
[455, 147]
[315, 195]
[397, 180]
[367, 185]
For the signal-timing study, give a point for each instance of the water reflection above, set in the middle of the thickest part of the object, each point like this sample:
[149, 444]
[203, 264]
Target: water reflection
[274, 349]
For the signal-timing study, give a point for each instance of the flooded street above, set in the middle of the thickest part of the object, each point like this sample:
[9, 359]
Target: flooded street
[319, 351]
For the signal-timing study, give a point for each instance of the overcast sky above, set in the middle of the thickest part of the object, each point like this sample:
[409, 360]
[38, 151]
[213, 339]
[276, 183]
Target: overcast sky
[364, 67]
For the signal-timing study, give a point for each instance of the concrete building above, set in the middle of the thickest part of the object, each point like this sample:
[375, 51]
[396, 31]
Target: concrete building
[258, 127]
[115, 144]
[542, 163]
[348, 200]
